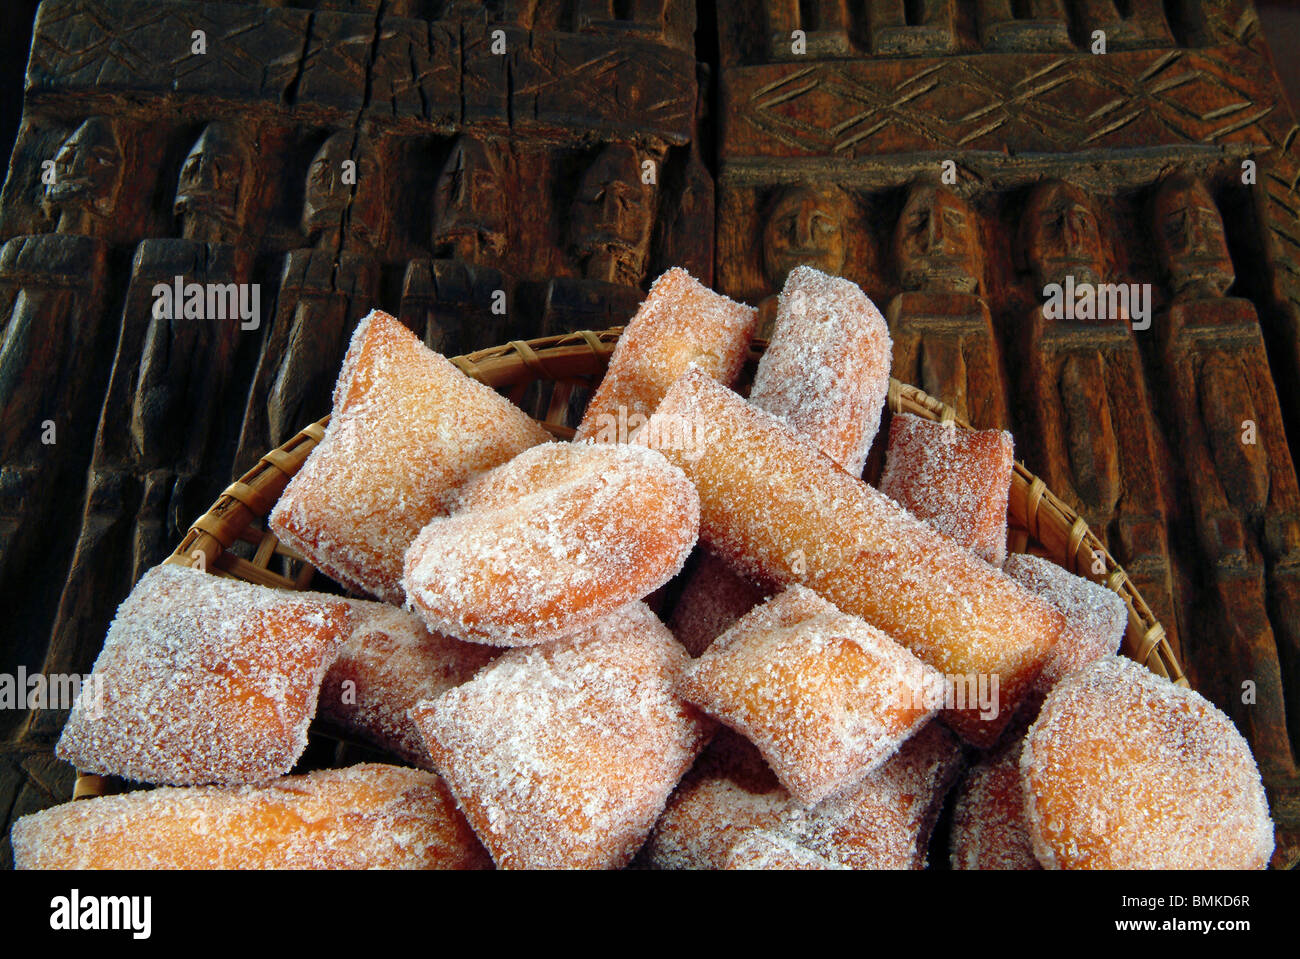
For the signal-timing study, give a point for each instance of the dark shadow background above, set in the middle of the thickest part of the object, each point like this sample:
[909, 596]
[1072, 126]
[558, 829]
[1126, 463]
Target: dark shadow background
[1281, 22]
[15, 41]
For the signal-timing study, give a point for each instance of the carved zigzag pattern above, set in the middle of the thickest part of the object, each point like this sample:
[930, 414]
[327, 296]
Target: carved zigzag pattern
[1045, 102]
[251, 50]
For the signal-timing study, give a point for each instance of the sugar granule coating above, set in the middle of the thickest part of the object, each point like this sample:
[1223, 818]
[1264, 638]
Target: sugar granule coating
[957, 480]
[989, 830]
[562, 756]
[392, 662]
[884, 821]
[1124, 770]
[681, 323]
[364, 817]
[561, 536]
[826, 370]
[1095, 617]
[728, 793]
[824, 696]
[780, 511]
[713, 598]
[204, 679]
[766, 850]
[407, 430]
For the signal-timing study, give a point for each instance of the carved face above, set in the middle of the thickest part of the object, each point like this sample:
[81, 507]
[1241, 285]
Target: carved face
[1189, 237]
[1061, 235]
[212, 177]
[936, 243]
[805, 227]
[327, 195]
[87, 169]
[469, 205]
[611, 217]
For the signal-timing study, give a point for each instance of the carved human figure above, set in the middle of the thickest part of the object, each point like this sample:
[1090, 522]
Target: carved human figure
[805, 226]
[611, 217]
[1090, 415]
[82, 198]
[324, 289]
[936, 242]
[153, 469]
[1230, 434]
[941, 327]
[53, 291]
[610, 220]
[469, 220]
[450, 298]
[342, 200]
[1061, 235]
[1190, 243]
[210, 191]
[182, 358]
[87, 179]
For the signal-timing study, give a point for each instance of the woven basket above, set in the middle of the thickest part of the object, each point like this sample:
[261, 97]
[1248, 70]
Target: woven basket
[556, 368]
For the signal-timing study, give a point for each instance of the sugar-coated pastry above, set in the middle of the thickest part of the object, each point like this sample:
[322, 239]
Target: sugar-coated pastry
[408, 429]
[706, 818]
[885, 820]
[728, 794]
[826, 374]
[364, 817]
[764, 849]
[957, 480]
[562, 756]
[681, 323]
[781, 511]
[989, 829]
[826, 370]
[1095, 617]
[204, 679]
[388, 663]
[824, 696]
[713, 598]
[1124, 770]
[546, 545]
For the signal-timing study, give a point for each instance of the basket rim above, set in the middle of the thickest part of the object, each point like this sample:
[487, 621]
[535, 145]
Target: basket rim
[1045, 519]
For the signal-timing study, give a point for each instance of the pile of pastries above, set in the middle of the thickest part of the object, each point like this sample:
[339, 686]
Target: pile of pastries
[835, 664]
